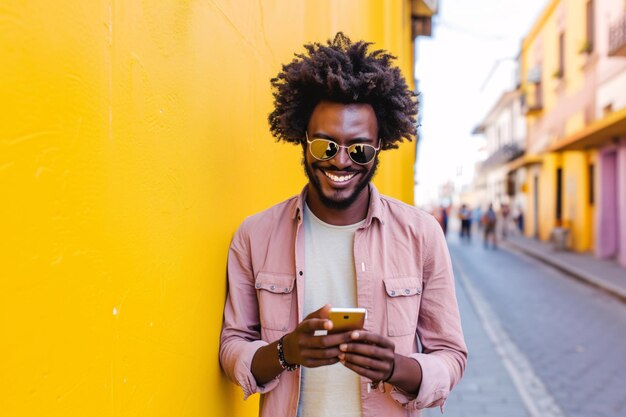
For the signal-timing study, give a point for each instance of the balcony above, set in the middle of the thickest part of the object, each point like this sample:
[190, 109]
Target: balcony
[617, 37]
[504, 154]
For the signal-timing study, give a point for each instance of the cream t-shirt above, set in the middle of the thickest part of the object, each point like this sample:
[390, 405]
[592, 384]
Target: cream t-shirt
[329, 391]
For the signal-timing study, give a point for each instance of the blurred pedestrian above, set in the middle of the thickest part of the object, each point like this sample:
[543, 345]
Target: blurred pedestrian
[442, 217]
[466, 222]
[505, 212]
[489, 224]
[519, 219]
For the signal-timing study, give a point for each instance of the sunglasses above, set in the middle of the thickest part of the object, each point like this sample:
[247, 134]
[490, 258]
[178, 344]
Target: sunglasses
[325, 149]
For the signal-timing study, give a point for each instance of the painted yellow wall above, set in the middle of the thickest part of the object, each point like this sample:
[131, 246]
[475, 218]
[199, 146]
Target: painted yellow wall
[547, 194]
[592, 158]
[134, 141]
[542, 45]
[576, 199]
[557, 119]
[529, 212]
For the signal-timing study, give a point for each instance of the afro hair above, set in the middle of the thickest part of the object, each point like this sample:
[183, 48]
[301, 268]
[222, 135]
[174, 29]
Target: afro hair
[344, 72]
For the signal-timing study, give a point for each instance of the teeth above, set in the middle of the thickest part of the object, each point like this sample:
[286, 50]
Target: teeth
[337, 178]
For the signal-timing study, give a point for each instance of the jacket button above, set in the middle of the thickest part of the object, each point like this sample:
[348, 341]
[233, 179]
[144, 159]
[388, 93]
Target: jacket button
[286, 289]
[407, 291]
[301, 273]
[272, 287]
[258, 285]
[392, 293]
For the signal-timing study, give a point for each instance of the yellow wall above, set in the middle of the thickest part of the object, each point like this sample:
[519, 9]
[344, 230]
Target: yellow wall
[547, 194]
[558, 118]
[542, 45]
[592, 158]
[576, 199]
[134, 141]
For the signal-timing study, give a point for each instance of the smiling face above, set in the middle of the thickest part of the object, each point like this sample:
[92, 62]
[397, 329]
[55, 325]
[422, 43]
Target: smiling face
[338, 191]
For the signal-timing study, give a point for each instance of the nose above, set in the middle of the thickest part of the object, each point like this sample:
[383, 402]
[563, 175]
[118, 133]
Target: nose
[341, 158]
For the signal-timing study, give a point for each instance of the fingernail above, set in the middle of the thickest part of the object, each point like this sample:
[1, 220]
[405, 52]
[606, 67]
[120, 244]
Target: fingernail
[342, 357]
[343, 347]
[355, 335]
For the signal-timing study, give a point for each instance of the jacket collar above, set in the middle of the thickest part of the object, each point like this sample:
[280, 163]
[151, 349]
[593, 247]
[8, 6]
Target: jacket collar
[374, 211]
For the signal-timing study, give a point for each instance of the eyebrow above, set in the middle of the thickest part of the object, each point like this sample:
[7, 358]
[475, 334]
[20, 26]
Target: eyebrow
[350, 141]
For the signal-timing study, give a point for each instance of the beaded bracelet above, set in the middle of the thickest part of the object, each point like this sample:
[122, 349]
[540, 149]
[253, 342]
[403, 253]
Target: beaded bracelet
[281, 357]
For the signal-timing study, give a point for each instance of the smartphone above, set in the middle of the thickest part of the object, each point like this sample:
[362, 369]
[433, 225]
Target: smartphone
[345, 319]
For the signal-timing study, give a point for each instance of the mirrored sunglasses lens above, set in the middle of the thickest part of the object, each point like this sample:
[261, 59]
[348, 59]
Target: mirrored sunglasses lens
[362, 154]
[323, 149]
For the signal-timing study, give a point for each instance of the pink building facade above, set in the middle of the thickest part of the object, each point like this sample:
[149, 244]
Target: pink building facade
[610, 102]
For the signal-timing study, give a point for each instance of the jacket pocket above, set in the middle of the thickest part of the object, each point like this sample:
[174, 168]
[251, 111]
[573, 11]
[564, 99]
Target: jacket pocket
[274, 292]
[403, 297]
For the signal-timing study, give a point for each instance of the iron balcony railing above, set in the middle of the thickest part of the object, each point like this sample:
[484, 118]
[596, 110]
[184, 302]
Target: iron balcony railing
[502, 155]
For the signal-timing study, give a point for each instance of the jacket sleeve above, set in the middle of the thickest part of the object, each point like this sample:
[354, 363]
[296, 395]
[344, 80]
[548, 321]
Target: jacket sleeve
[241, 329]
[444, 354]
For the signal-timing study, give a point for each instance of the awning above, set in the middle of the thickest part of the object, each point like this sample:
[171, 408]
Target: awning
[522, 161]
[598, 133]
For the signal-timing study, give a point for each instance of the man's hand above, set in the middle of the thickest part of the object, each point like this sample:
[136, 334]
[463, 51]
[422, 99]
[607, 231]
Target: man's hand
[373, 356]
[302, 347]
[369, 355]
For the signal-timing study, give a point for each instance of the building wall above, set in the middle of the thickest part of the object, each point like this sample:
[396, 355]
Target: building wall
[611, 71]
[576, 199]
[621, 202]
[568, 108]
[547, 194]
[134, 141]
[610, 98]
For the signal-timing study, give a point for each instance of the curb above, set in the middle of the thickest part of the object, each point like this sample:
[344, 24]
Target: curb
[568, 270]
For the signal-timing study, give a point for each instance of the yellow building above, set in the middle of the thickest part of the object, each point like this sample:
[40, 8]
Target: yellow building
[134, 141]
[560, 61]
[574, 79]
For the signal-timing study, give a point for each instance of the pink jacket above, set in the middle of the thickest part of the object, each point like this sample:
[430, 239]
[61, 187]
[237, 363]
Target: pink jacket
[404, 280]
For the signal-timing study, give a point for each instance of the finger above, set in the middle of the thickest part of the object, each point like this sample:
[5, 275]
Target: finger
[329, 340]
[366, 362]
[320, 353]
[320, 313]
[310, 325]
[373, 375]
[367, 350]
[373, 338]
[316, 363]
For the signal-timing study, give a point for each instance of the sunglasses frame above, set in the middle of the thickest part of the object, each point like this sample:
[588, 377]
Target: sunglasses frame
[309, 142]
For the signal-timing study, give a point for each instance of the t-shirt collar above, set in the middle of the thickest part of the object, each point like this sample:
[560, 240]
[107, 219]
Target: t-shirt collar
[374, 211]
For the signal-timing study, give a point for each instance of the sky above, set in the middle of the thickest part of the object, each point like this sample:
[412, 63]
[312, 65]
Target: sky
[462, 71]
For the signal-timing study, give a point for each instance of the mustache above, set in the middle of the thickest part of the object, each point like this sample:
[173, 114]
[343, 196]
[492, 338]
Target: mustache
[333, 168]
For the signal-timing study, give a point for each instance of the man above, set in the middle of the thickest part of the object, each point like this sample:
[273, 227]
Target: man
[343, 244]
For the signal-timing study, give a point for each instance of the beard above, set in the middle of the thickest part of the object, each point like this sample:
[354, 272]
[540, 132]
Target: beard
[336, 202]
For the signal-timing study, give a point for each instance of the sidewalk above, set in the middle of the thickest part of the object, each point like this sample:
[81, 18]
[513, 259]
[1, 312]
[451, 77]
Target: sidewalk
[607, 275]
[486, 389]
